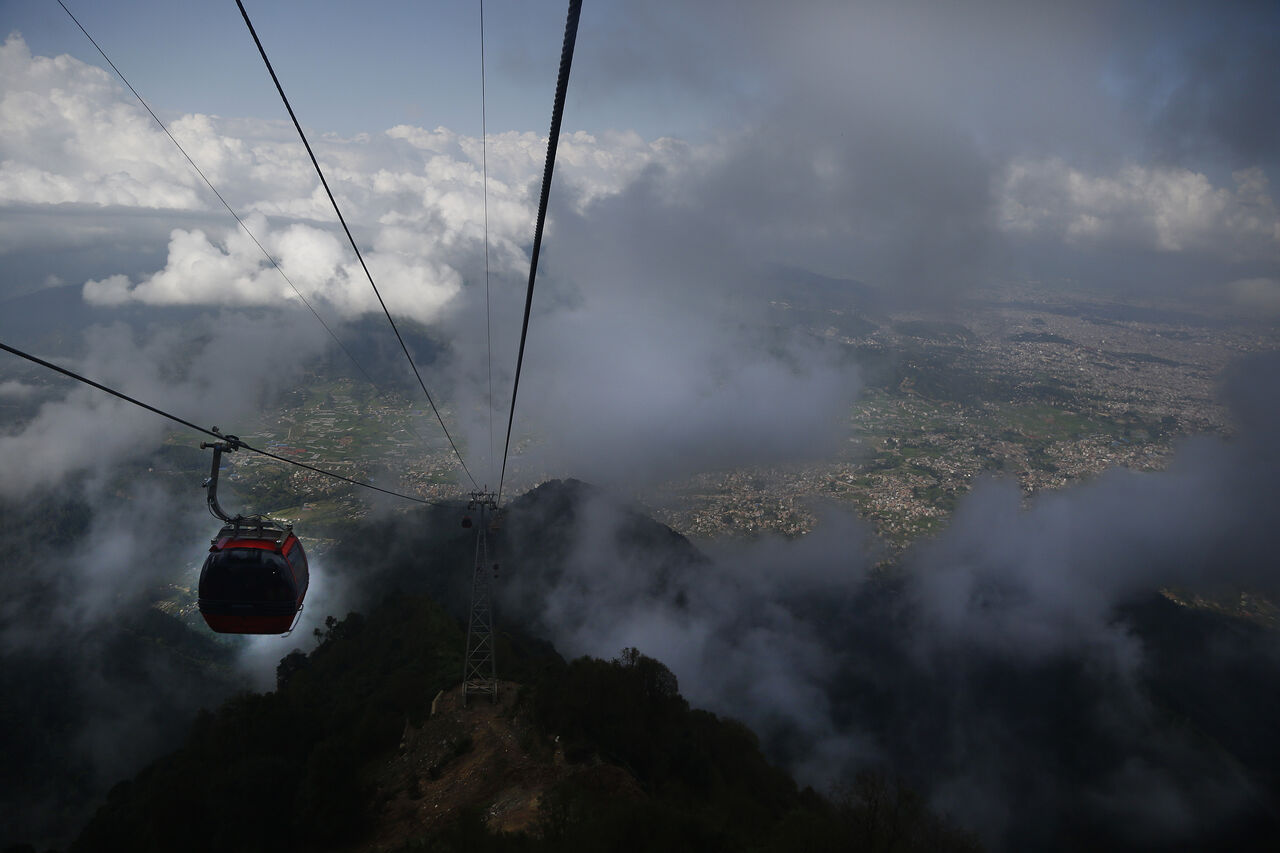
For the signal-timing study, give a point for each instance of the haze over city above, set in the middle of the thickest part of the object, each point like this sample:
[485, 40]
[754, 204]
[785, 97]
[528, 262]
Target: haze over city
[982, 299]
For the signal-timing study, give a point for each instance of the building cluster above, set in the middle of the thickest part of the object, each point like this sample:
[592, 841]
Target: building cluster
[1073, 390]
[1047, 389]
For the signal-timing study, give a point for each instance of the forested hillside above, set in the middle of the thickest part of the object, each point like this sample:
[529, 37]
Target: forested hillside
[299, 768]
[1175, 751]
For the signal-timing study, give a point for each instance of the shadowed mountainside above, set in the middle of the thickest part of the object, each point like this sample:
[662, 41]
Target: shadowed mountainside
[588, 755]
[1084, 749]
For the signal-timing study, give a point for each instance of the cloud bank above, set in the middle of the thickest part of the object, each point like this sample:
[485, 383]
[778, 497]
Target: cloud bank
[1012, 670]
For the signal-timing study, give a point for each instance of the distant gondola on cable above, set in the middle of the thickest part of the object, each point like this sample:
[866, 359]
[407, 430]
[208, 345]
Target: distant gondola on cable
[255, 577]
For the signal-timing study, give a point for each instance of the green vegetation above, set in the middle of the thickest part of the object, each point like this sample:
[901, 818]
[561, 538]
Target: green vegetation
[915, 455]
[294, 769]
[337, 424]
[284, 770]
[703, 783]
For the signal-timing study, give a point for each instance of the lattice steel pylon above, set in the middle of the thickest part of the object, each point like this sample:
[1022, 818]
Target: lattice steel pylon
[479, 669]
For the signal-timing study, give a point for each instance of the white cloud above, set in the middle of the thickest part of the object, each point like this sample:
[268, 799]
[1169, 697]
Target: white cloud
[1256, 296]
[1166, 209]
[67, 135]
[231, 270]
[14, 390]
[197, 272]
[594, 165]
[415, 199]
[650, 394]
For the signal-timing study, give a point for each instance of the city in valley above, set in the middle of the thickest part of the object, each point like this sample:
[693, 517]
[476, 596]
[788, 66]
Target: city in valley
[1044, 385]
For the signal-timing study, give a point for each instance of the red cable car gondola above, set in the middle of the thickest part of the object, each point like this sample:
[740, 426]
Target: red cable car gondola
[255, 577]
[253, 580]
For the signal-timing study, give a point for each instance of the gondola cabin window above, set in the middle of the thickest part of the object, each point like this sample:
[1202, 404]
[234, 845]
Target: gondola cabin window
[301, 574]
[250, 574]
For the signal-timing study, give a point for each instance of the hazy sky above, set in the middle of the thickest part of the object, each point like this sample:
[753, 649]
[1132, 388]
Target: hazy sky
[924, 150]
[1149, 126]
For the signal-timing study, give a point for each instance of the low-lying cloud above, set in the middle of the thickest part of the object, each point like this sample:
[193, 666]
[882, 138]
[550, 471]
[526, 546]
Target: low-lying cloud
[948, 671]
[210, 372]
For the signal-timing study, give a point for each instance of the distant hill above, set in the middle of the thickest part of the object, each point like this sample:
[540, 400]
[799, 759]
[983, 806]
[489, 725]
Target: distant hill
[810, 289]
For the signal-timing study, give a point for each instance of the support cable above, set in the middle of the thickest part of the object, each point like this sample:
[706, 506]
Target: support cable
[205, 177]
[484, 162]
[557, 112]
[231, 210]
[279, 88]
[211, 432]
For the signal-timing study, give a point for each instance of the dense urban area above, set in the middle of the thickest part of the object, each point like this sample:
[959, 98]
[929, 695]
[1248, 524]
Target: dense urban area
[1047, 387]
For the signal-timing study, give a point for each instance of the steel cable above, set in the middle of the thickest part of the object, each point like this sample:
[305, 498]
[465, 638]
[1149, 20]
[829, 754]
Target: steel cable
[279, 88]
[230, 210]
[210, 432]
[557, 112]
